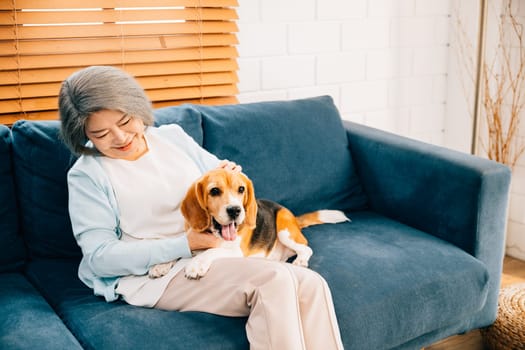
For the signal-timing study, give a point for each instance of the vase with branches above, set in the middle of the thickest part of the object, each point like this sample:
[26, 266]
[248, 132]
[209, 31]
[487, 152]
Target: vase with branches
[501, 82]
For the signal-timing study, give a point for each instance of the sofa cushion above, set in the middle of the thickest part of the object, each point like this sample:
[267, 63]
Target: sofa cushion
[296, 152]
[41, 162]
[26, 319]
[392, 283]
[189, 119]
[12, 250]
[117, 325]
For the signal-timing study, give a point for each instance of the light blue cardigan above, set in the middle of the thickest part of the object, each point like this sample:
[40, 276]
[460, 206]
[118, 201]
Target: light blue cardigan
[94, 217]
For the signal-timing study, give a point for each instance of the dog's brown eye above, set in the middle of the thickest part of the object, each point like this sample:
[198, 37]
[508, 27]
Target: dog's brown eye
[241, 189]
[215, 192]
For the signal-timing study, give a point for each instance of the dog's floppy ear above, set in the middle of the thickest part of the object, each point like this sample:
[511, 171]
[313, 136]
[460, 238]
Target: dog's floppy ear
[193, 207]
[250, 204]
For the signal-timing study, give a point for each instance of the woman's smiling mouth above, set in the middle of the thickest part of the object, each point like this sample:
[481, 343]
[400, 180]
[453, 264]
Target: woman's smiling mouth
[126, 147]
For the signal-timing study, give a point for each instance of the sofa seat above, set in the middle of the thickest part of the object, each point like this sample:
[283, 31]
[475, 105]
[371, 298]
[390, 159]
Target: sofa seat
[28, 322]
[388, 282]
[117, 325]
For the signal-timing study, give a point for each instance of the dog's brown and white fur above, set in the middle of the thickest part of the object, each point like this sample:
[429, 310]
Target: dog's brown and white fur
[223, 203]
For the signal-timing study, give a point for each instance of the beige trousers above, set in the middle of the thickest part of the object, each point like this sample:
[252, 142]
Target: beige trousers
[288, 307]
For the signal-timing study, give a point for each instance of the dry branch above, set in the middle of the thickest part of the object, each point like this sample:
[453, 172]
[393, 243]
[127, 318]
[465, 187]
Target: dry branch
[503, 87]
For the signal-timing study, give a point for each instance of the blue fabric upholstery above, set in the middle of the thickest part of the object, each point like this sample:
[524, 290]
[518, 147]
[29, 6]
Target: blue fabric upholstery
[27, 321]
[189, 119]
[12, 251]
[295, 152]
[41, 162]
[451, 195]
[101, 325]
[347, 255]
[389, 280]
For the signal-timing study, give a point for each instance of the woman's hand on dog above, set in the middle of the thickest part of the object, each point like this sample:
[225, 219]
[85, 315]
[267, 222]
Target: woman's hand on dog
[199, 241]
[229, 165]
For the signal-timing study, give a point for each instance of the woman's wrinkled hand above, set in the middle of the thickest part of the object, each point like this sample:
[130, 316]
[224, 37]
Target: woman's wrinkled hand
[229, 165]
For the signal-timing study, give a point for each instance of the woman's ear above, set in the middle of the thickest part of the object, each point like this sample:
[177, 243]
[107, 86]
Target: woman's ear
[193, 208]
[250, 204]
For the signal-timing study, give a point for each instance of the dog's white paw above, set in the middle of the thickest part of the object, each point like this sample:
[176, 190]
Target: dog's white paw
[303, 257]
[160, 270]
[301, 261]
[197, 268]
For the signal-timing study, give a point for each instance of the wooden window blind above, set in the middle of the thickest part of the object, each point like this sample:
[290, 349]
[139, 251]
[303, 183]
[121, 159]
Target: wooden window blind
[179, 50]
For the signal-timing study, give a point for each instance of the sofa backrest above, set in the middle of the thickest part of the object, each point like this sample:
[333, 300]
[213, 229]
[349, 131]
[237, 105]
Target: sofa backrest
[296, 152]
[12, 250]
[41, 162]
[188, 118]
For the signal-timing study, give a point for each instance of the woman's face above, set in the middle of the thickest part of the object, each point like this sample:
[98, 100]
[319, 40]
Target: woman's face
[116, 135]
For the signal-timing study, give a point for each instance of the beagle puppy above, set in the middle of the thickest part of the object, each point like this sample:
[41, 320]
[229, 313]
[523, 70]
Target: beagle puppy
[223, 203]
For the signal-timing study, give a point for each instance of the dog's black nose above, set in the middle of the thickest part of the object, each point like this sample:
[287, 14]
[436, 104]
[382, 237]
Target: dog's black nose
[233, 211]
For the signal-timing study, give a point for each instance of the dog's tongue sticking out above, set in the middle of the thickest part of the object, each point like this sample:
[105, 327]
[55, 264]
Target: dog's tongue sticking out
[229, 232]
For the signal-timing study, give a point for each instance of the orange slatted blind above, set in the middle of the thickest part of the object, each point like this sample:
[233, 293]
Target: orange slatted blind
[179, 50]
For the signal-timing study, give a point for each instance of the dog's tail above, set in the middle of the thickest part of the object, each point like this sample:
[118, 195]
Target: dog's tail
[321, 217]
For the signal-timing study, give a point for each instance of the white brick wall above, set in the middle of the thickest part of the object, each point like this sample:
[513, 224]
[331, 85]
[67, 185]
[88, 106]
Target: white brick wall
[383, 61]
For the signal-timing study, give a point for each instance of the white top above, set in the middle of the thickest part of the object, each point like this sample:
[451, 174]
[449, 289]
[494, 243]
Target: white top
[149, 192]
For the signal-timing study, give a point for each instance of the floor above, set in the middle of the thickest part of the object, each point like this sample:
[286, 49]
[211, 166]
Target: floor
[513, 272]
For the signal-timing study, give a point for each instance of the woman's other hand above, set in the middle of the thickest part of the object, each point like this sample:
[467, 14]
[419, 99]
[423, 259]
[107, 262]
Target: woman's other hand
[199, 241]
[229, 165]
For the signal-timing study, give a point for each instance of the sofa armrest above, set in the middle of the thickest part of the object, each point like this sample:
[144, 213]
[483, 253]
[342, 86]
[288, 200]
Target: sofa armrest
[455, 196]
[452, 195]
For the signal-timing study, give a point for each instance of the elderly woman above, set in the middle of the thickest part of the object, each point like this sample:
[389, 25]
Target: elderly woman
[125, 192]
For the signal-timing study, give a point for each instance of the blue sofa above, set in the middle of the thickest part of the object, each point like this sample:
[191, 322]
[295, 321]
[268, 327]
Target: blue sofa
[420, 261]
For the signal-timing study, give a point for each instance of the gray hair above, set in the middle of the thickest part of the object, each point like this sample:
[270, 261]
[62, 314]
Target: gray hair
[94, 89]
